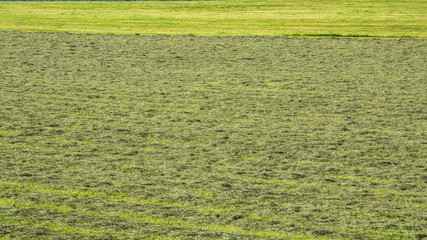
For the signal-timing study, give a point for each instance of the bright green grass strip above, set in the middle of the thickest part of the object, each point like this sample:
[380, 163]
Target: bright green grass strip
[56, 227]
[114, 198]
[49, 226]
[122, 198]
[339, 18]
[135, 217]
[132, 216]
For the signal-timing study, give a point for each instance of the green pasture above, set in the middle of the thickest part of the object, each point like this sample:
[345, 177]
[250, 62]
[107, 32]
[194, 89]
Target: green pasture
[107, 136]
[204, 120]
[363, 18]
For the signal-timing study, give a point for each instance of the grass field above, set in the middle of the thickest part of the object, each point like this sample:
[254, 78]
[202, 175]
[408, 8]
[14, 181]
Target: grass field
[210, 132]
[377, 18]
[125, 136]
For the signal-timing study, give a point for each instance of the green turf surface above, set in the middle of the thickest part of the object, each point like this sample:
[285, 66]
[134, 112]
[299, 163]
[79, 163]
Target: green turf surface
[112, 136]
[375, 18]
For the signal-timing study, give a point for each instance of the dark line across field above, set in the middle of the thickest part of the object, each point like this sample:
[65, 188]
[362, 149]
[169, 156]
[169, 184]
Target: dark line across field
[126, 136]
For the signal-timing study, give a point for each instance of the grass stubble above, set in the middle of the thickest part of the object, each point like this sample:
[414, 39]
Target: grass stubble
[122, 136]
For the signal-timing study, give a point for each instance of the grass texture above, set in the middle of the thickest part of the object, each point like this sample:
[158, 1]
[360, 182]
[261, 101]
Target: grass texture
[359, 18]
[185, 137]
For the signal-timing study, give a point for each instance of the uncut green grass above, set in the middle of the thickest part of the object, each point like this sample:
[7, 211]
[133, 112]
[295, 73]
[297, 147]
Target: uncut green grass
[120, 136]
[376, 18]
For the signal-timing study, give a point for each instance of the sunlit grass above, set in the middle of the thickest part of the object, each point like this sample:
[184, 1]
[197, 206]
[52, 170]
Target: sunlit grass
[207, 18]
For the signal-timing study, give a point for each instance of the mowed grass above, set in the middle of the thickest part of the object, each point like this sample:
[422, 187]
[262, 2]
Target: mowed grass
[121, 136]
[376, 18]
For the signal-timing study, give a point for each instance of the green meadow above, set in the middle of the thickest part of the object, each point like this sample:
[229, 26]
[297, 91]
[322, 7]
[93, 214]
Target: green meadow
[375, 18]
[213, 120]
